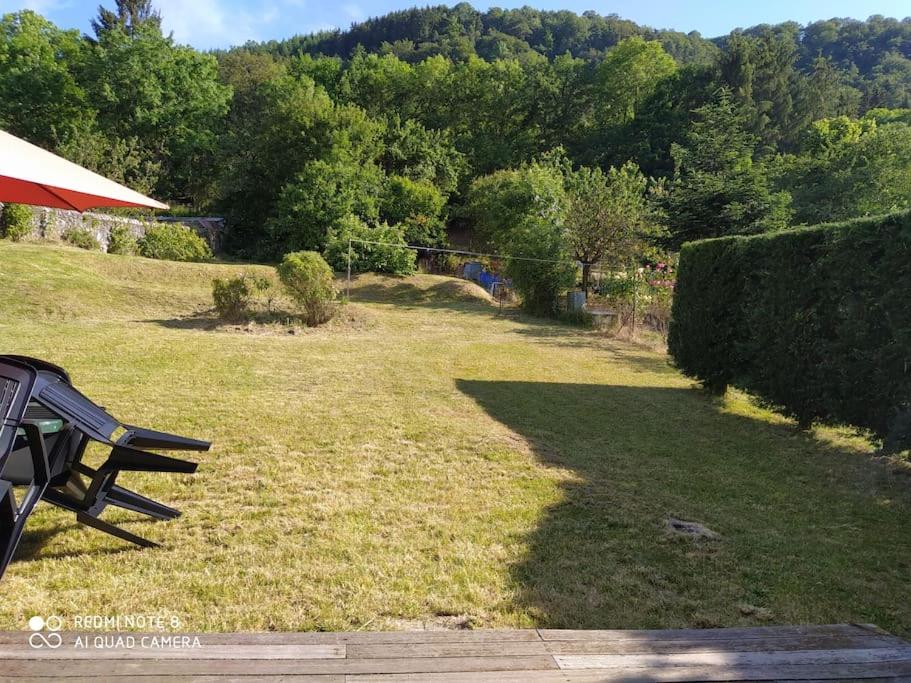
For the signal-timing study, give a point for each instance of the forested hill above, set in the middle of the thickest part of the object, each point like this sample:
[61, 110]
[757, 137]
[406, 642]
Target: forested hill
[870, 47]
[459, 31]
[411, 123]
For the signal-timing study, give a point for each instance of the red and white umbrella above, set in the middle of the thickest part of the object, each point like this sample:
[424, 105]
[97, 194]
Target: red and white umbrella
[31, 175]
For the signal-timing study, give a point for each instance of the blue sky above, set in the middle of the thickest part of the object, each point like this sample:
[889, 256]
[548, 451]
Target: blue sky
[221, 23]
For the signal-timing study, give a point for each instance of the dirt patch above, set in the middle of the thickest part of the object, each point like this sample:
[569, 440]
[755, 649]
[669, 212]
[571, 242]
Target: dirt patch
[349, 317]
[688, 529]
[442, 623]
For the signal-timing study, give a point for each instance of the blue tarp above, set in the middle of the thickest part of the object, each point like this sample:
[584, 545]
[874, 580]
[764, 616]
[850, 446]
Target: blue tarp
[473, 270]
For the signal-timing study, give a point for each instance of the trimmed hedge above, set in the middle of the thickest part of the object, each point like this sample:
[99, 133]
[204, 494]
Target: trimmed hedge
[815, 321]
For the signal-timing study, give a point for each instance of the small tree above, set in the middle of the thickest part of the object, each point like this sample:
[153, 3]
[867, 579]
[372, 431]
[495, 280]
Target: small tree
[318, 199]
[717, 190]
[309, 280]
[417, 205]
[608, 216]
[520, 213]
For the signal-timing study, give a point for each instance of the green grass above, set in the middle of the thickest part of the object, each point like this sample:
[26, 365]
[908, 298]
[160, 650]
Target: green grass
[426, 460]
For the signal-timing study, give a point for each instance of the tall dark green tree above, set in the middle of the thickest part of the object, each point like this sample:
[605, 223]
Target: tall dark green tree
[166, 98]
[717, 188]
[42, 99]
[127, 16]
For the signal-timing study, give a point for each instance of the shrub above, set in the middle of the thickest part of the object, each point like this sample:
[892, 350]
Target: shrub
[540, 283]
[16, 221]
[122, 241]
[308, 279]
[378, 258]
[233, 296]
[82, 238]
[814, 321]
[173, 242]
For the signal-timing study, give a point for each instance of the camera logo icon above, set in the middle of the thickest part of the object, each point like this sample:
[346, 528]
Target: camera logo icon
[39, 639]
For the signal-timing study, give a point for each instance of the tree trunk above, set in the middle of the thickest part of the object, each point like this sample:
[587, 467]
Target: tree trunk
[586, 276]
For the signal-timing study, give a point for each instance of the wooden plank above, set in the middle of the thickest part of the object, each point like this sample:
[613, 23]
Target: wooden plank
[251, 638]
[460, 636]
[621, 647]
[713, 658]
[830, 642]
[700, 634]
[327, 637]
[683, 674]
[131, 678]
[317, 638]
[204, 652]
[442, 649]
[542, 676]
[61, 668]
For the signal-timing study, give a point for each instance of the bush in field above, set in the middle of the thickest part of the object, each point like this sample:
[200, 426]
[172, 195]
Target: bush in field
[122, 241]
[173, 242]
[814, 321]
[15, 222]
[82, 238]
[234, 296]
[308, 279]
[377, 258]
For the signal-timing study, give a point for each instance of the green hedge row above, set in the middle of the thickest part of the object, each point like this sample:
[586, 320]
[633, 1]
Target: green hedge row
[815, 321]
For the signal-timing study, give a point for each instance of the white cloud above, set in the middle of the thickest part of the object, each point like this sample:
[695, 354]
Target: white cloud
[40, 6]
[353, 11]
[210, 23]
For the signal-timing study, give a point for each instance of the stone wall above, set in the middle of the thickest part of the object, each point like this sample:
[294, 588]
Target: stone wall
[51, 224]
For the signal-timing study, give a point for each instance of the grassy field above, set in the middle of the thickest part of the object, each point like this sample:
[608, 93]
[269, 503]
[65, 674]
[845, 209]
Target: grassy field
[426, 460]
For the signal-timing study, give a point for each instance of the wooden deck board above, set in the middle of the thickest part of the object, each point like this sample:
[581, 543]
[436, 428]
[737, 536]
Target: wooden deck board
[796, 653]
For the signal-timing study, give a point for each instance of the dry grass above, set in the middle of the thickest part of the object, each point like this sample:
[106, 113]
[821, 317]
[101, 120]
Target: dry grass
[427, 459]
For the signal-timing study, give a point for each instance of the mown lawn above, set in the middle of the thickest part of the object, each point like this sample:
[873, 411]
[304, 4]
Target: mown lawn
[426, 460]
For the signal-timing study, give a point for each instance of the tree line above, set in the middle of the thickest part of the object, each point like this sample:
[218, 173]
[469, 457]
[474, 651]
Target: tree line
[412, 122]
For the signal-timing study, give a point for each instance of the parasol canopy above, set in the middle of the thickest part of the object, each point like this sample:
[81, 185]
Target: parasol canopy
[31, 175]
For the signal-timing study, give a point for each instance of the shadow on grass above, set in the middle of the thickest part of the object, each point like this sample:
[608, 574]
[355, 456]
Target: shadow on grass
[209, 320]
[32, 541]
[190, 322]
[801, 532]
[33, 544]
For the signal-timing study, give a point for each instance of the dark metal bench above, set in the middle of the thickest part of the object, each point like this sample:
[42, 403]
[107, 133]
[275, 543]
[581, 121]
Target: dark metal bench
[45, 426]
